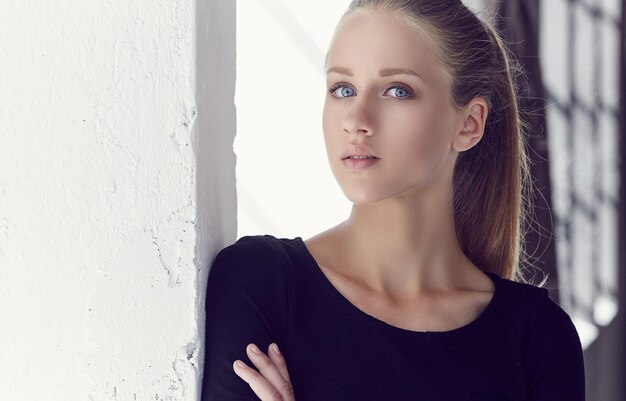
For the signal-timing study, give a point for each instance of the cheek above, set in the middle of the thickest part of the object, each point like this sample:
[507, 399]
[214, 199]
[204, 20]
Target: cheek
[325, 119]
[331, 127]
[325, 124]
[420, 135]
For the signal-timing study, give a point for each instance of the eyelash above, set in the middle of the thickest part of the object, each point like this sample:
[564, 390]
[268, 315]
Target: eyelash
[393, 86]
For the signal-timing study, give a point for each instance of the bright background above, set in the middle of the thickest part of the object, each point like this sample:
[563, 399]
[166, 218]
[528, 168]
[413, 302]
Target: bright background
[284, 184]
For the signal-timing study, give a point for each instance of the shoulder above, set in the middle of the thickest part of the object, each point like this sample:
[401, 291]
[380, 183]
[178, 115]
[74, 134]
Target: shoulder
[550, 347]
[536, 304]
[543, 323]
[248, 296]
[250, 257]
[251, 247]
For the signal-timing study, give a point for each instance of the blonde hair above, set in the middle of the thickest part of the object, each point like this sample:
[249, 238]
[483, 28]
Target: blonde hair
[491, 182]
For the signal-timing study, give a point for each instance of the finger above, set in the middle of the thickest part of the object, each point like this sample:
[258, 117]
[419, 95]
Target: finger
[279, 361]
[259, 384]
[270, 371]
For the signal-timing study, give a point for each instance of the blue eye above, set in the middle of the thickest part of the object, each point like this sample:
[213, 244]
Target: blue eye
[402, 92]
[343, 93]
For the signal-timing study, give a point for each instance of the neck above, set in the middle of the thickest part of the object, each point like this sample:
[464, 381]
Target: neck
[405, 245]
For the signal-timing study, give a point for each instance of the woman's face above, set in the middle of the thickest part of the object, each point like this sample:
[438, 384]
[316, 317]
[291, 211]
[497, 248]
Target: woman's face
[407, 121]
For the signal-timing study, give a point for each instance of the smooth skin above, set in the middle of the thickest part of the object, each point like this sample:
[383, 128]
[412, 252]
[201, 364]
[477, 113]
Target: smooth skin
[398, 252]
[271, 382]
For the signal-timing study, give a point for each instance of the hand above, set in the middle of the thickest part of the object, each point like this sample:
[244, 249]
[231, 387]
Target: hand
[273, 383]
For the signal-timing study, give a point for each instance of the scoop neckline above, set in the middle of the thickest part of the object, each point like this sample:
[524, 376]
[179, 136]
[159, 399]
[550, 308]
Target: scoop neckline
[350, 307]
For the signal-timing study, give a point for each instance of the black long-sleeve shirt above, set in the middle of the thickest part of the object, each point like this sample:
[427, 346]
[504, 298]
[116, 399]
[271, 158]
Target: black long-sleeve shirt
[264, 289]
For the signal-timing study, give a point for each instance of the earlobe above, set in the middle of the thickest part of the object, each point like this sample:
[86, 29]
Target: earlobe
[473, 126]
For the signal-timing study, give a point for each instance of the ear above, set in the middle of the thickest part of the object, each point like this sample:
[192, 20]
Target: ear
[471, 125]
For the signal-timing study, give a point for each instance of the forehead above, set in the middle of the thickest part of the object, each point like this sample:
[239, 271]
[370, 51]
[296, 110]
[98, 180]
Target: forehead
[377, 38]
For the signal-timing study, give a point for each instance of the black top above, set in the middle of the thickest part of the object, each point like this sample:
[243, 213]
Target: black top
[264, 289]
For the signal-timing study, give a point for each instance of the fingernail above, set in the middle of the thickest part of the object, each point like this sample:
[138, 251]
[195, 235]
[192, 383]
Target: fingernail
[275, 349]
[240, 364]
[254, 349]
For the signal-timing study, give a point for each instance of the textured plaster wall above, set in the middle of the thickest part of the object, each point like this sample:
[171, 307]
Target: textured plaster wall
[116, 189]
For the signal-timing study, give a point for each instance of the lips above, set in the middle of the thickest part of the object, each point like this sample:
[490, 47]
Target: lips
[359, 150]
[359, 164]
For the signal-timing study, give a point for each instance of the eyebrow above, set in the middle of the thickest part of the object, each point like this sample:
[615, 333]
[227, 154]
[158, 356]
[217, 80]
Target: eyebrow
[385, 72]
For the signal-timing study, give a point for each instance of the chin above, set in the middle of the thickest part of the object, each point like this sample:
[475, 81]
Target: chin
[363, 196]
[368, 194]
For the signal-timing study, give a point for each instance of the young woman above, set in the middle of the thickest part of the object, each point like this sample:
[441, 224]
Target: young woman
[418, 294]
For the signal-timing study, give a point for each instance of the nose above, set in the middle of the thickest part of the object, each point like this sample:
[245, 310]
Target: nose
[358, 119]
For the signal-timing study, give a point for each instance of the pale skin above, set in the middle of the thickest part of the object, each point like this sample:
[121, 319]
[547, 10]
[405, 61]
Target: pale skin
[397, 256]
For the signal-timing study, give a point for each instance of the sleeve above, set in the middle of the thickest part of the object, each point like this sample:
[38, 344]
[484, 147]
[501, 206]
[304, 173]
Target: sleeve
[246, 302]
[554, 354]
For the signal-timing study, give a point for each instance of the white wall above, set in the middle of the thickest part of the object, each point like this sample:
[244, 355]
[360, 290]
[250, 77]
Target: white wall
[116, 189]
